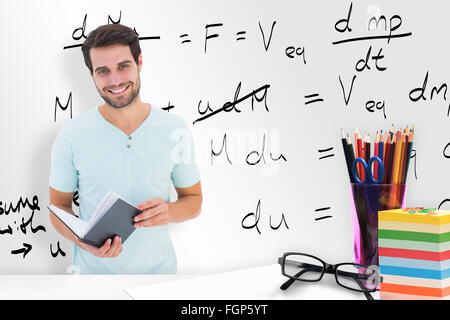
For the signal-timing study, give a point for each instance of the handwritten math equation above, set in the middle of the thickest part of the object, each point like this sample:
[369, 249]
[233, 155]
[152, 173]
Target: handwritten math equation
[20, 215]
[378, 32]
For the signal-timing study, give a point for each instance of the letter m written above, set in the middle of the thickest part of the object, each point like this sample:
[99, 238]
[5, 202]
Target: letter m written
[377, 22]
[437, 91]
[68, 103]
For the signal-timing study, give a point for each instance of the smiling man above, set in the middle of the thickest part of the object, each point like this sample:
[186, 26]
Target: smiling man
[132, 148]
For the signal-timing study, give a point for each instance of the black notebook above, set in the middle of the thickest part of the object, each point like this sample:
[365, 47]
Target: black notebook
[113, 216]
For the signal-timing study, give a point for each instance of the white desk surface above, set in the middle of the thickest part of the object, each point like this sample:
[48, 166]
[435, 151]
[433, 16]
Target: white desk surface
[74, 287]
[260, 283]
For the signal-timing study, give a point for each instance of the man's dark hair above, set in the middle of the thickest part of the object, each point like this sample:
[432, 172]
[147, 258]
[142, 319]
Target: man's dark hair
[110, 34]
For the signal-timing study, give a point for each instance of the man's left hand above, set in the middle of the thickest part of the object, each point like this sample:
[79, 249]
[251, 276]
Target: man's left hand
[155, 213]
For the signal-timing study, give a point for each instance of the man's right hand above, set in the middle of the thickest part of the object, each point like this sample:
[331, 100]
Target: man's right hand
[107, 250]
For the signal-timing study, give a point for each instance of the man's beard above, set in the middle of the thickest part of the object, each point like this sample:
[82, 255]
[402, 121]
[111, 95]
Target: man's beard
[133, 95]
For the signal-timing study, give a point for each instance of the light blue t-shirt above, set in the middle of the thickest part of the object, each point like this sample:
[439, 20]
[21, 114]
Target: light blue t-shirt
[93, 156]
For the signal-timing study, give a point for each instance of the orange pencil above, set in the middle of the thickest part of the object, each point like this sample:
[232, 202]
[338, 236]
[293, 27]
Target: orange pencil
[402, 159]
[397, 152]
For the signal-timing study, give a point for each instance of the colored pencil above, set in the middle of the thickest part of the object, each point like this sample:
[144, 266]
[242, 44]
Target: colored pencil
[397, 154]
[392, 194]
[385, 140]
[375, 153]
[394, 149]
[366, 147]
[346, 154]
[356, 150]
[405, 155]
[387, 159]
[391, 159]
[351, 155]
[410, 144]
[381, 147]
[401, 159]
[391, 131]
[359, 154]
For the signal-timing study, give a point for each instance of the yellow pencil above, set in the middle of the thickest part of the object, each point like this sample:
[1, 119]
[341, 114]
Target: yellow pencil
[402, 158]
[397, 153]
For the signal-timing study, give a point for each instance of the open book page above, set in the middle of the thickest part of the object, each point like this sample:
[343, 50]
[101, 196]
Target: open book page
[107, 202]
[76, 225]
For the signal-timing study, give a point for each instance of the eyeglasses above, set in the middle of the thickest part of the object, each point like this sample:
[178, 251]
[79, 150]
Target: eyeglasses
[352, 276]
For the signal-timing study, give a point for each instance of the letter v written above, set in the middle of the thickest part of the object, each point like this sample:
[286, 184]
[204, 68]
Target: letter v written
[347, 98]
[266, 45]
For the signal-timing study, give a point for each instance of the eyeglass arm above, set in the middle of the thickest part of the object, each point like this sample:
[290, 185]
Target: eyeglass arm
[363, 288]
[288, 283]
[328, 269]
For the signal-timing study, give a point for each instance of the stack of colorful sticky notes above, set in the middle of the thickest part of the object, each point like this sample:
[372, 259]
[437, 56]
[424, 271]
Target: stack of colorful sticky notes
[414, 253]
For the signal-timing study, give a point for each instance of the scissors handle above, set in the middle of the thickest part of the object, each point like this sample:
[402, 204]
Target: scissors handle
[367, 167]
[380, 169]
[355, 171]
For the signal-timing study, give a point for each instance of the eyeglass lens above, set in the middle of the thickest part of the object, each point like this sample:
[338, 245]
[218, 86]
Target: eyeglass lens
[353, 276]
[303, 267]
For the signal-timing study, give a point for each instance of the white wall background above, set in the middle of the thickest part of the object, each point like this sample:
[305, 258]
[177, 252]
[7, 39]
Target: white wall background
[36, 70]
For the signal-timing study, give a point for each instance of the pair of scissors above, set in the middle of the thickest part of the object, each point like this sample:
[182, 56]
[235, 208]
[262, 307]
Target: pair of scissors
[368, 176]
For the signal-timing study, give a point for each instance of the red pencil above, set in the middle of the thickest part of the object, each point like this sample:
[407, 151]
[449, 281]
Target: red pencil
[359, 155]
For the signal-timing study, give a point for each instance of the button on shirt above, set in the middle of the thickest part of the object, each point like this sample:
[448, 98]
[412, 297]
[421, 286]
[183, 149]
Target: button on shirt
[93, 156]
